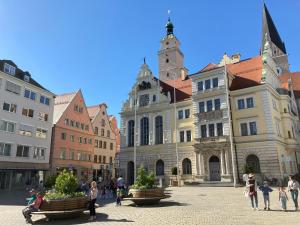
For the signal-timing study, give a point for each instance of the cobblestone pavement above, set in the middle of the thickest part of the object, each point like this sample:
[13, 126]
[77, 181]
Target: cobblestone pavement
[188, 205]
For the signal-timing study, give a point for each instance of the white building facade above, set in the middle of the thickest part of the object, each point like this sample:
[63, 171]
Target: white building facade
[25, 128]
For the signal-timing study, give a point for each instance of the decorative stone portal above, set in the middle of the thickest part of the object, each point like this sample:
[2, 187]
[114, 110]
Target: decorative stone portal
[130, 172]
[214, 168]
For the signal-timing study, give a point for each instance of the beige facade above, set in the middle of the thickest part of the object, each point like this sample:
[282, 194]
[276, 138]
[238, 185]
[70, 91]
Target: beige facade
[105, 144]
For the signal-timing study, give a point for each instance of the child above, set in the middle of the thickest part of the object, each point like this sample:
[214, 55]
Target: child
[119, 196]
[282, 198]
[265, 189]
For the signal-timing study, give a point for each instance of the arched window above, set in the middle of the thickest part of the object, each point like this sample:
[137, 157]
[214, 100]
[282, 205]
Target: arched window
[160, 168]
[252, 161]
[144, 131]
[186, 166]
[158, 130]
[130, 129]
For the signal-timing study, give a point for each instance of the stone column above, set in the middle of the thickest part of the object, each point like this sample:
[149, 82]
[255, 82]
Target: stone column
[227, 162]
[222, 162]
[202, 171]
[198, 163]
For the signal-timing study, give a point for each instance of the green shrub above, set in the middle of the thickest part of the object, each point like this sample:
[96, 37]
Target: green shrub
[174, 171]
[59, 196]
[50, 181]
[144, 180]
[66, 183]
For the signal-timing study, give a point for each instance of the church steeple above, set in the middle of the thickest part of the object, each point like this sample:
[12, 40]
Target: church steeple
[169, 27]
[277, 46]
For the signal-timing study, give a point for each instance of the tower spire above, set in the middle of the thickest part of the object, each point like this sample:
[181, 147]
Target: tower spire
[169, 25]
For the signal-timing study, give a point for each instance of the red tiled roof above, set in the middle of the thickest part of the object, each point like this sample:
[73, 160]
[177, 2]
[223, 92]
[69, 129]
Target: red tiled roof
[208, 67]
[182, 85]
[247, 73]
[295, 78]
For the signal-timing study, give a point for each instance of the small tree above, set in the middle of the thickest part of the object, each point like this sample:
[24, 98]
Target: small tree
[50, 181]
[66, 183]
[144, 180]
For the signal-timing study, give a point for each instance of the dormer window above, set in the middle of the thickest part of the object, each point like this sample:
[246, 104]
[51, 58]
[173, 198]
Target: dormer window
[9, 69]
[26, 78]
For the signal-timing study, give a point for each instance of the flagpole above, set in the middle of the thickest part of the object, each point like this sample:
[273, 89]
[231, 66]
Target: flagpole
[234, 171]
[135, 131]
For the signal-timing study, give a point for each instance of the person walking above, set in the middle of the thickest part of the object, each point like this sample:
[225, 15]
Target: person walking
[293, 187]
[282, 198]
[120, 182]
[93, 197]
[265, 189]
[251, 186]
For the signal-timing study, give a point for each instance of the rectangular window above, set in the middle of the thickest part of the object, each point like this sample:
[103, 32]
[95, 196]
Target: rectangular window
[244, 129]
[62, 153]
[9, 107]
[250, 103]
[9, 69]
[180, 114]
[13, 88]
[201, 107]
[77, 124]
[207, 84]
[211, 130]
[209, 105]
[41, 133]
[96, 130]
[111, 146]
[104, 144]
[200, 86]
[217, 104]
[219, 129]
[72, 154]
[25, 130]
[215, 82]
[99, 158]
[5, 149]
[96, 143]
[188, 136]
[95, 158]
[29, 94]
[39, 153]
[253, 130]
[241, 104]
[22, 151]
[43, 116]
[27, 112]
[7, 126]
[110, 160]
[72, 138]
[104, 159]
[84, 140]
[67, 122]
[72, 123]
[44, 100]
[80, 139]
[100, 144]
[82, 126]
[187, 113]
[63, 136]
[181, 136]
[203, 131]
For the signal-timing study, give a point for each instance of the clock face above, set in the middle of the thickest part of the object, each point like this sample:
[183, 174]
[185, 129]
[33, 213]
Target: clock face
[144, 100]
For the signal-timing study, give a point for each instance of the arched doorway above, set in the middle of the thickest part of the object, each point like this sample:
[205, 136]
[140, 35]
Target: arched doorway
[130, 173]
[214, 168]
[252, 162]
[160, 168]
[186, 166]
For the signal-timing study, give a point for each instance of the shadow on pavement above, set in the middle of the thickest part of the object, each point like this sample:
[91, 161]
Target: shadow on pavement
[160, 204]
[13, 197]
[101, 217]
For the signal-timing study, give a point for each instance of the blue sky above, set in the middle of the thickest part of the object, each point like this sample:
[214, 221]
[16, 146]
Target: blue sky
[98, 46]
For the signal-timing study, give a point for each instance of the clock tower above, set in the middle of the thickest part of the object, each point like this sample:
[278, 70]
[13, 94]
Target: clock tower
[170, 57]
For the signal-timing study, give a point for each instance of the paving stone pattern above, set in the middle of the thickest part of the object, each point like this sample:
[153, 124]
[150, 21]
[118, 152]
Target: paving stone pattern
[187, 206]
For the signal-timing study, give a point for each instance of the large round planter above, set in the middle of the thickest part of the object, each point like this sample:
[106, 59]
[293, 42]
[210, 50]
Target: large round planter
[65, 204]
[146, 193]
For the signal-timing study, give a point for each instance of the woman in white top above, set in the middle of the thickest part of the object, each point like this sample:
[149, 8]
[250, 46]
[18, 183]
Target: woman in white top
[93, 197]
[293, 187]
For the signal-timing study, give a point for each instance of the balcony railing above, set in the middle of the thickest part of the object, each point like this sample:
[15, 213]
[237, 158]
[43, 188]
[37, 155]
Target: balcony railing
[217, 139]
[212, 115]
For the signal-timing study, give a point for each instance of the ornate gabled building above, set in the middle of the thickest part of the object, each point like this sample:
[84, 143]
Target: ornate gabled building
[218, 123]
[156, 119]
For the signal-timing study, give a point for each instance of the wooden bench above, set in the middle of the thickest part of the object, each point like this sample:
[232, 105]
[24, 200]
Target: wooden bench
[62, 214]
